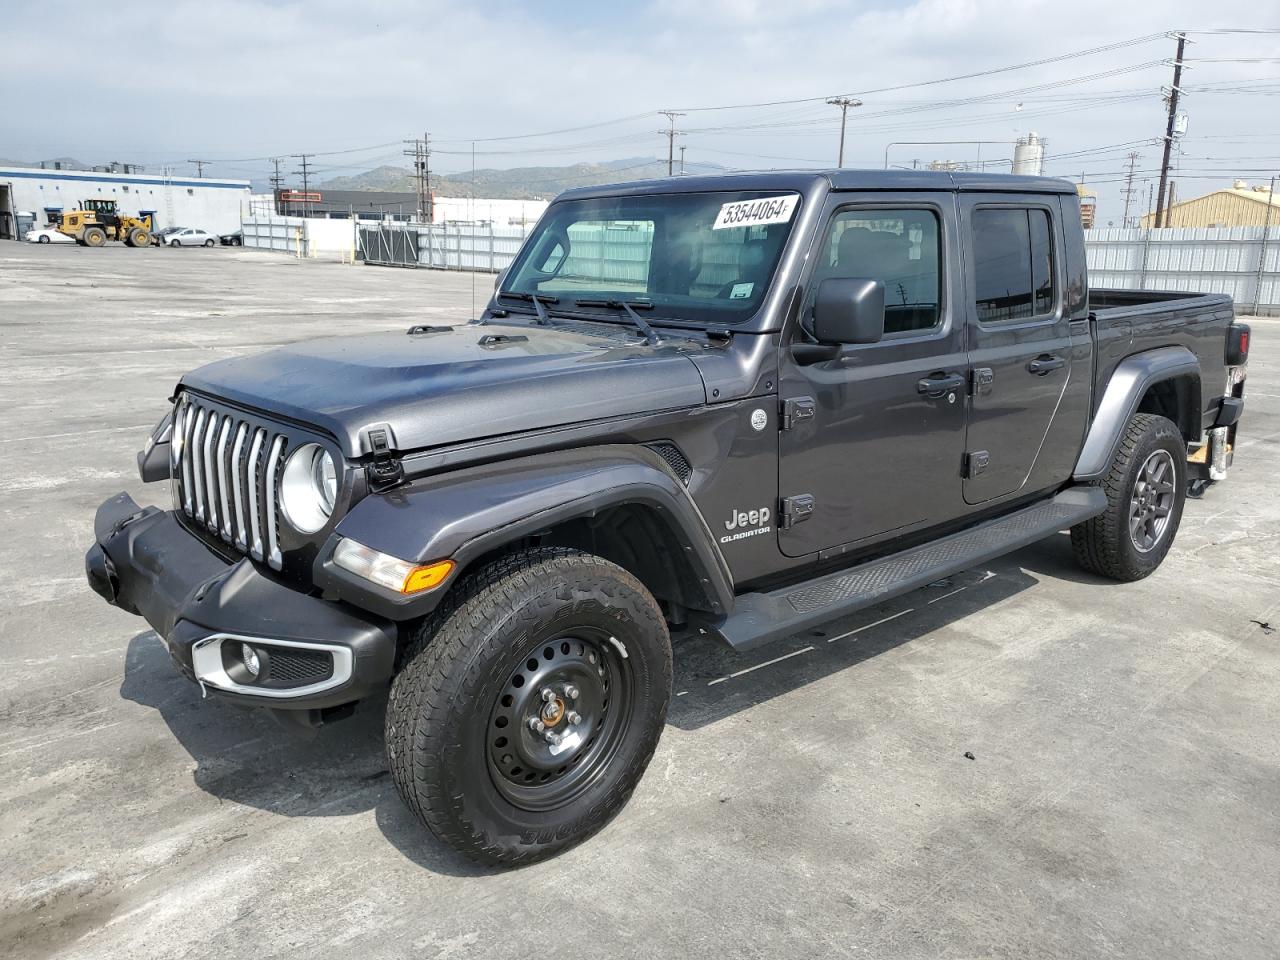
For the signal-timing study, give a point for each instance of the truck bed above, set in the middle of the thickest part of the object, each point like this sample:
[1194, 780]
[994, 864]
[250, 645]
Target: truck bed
[1126, 322]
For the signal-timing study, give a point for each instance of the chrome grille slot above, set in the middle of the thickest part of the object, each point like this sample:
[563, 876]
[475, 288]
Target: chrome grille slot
[224, 484]
[269, 502]
[228, 477]
[255, 484]
[237, 467]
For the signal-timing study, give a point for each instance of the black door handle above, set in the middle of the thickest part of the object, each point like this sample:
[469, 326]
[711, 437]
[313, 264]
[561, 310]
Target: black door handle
[1045, 364]
[937, 386]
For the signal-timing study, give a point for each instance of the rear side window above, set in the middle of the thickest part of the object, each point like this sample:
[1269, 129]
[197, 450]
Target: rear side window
[900, 248]
[1013, 264]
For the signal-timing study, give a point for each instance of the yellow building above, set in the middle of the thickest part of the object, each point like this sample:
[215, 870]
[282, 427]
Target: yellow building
[1239, 206]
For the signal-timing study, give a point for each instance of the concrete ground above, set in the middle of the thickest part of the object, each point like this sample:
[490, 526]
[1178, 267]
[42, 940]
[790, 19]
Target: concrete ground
[812, 799]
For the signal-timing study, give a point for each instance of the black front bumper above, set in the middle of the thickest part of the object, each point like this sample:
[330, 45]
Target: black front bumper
[144, 561]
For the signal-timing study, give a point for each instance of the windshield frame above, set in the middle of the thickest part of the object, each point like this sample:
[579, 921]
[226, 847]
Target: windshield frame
[504, 302]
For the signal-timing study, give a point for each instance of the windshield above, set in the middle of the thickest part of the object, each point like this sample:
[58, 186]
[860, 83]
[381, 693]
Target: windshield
[699, 257]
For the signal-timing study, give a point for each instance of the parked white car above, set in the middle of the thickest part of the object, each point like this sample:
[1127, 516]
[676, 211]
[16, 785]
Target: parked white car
[190, 237]
[47, 235]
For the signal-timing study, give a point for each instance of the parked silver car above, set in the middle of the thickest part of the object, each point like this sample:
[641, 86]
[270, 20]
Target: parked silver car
[190, 237]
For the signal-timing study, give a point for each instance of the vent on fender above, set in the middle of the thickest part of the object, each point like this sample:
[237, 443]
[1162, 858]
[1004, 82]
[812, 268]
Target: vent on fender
[676, 460]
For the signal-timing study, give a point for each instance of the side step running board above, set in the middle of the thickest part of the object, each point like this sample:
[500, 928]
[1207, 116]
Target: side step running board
[759, 618]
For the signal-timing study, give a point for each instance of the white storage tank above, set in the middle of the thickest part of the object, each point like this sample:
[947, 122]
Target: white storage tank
[1028, 155]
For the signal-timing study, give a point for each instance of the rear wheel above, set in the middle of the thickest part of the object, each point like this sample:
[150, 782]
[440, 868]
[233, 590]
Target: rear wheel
[94, 236]
[208, 243]
[1146, 488]
[530, 705]
[45, 240]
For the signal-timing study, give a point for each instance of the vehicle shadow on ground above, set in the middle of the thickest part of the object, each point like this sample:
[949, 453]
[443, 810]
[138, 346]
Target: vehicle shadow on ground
[245, 756]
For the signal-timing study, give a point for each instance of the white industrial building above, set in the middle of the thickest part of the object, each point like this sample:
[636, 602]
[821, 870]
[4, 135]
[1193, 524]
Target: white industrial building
[35, 195]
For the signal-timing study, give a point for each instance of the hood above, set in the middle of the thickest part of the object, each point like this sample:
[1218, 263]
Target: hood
[465, 383]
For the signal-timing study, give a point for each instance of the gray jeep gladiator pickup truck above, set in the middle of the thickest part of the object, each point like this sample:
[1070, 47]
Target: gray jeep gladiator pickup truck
[746, 404]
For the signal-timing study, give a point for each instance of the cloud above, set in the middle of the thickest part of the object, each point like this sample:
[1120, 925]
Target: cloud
[254, 78]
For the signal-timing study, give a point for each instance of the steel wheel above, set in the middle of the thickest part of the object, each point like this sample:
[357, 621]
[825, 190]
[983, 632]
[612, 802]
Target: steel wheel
[1152, 500]
[559, 720]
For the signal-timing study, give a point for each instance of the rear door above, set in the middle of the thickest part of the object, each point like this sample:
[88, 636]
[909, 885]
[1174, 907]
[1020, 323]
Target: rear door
[872, 440]
[1022, 346]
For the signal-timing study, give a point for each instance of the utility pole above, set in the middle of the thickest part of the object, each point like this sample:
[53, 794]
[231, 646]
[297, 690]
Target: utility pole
[421, 153]
[682, 159]
[305, 160]
[277, 184]
[1128, 190]
[670, 134]
[1168, 133]
[844, 103]
[200, 165]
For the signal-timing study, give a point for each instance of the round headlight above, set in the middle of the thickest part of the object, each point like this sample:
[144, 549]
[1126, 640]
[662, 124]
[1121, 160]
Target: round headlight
[308, 488]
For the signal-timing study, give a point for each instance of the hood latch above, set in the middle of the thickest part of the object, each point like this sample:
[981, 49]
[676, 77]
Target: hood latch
[385, 471]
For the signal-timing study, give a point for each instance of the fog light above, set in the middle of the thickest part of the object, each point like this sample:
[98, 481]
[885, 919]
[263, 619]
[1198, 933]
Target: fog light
[250, 658]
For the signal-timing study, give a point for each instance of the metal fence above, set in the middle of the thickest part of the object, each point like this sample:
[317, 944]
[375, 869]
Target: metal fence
[284, 235]
[1241, 261]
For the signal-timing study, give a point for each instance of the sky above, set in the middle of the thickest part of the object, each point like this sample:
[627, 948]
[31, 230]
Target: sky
[238, 81]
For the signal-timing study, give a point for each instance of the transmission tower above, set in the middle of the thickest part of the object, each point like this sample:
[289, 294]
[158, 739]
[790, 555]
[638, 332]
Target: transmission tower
[1129, 189]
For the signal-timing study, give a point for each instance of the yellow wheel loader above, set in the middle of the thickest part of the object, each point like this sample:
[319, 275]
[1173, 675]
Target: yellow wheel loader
[98, 221]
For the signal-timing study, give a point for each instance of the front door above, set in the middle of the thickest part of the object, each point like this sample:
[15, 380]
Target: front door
[875, 436]
[1020, 343]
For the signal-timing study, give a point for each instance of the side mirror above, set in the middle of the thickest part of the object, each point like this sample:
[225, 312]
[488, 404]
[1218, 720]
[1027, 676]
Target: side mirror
[849, 311]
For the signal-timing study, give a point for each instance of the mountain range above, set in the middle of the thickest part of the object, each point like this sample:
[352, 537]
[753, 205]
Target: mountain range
[519, 183]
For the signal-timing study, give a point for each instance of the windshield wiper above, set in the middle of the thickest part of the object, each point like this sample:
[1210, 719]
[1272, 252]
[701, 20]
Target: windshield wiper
[650, 335]
[537, 299]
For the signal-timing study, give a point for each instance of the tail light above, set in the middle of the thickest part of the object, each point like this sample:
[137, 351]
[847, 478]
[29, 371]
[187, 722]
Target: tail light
[1237, 344]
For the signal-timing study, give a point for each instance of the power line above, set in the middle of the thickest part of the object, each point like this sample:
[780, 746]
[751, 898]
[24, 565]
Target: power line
[965, 76]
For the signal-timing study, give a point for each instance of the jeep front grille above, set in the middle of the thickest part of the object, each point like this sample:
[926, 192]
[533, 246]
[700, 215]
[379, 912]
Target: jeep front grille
[228, 476]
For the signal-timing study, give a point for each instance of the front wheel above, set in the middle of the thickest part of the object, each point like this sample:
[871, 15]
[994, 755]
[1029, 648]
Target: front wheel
[45, 240]
[529, 705]
[1146, 488]
[175, 243]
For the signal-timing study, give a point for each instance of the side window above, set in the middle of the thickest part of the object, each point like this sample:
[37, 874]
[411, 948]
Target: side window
[1013, 264]
[901, 249]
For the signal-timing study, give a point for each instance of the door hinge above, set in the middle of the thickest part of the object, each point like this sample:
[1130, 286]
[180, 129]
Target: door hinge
[975, 463]
[385, 471]
[796, 409]
[980, 384]
[796, 509]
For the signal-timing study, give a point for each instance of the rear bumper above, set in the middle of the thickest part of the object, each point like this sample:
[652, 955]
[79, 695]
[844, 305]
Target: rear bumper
[312, 653]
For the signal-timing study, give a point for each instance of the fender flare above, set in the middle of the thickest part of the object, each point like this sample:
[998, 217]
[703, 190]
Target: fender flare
[463, 514]
[1129, 382]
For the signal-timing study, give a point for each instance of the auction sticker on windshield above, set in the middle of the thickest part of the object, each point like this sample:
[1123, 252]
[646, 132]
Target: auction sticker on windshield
[756, 213]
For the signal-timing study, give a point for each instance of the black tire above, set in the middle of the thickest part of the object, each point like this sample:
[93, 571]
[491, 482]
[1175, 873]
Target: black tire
[95, 237]
[457, 722]
[45, 240]
[175, 243]
[208, 243]
[138, 237]
[1127, 541]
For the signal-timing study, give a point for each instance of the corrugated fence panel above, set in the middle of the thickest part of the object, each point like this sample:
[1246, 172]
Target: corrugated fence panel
[1241, 261]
